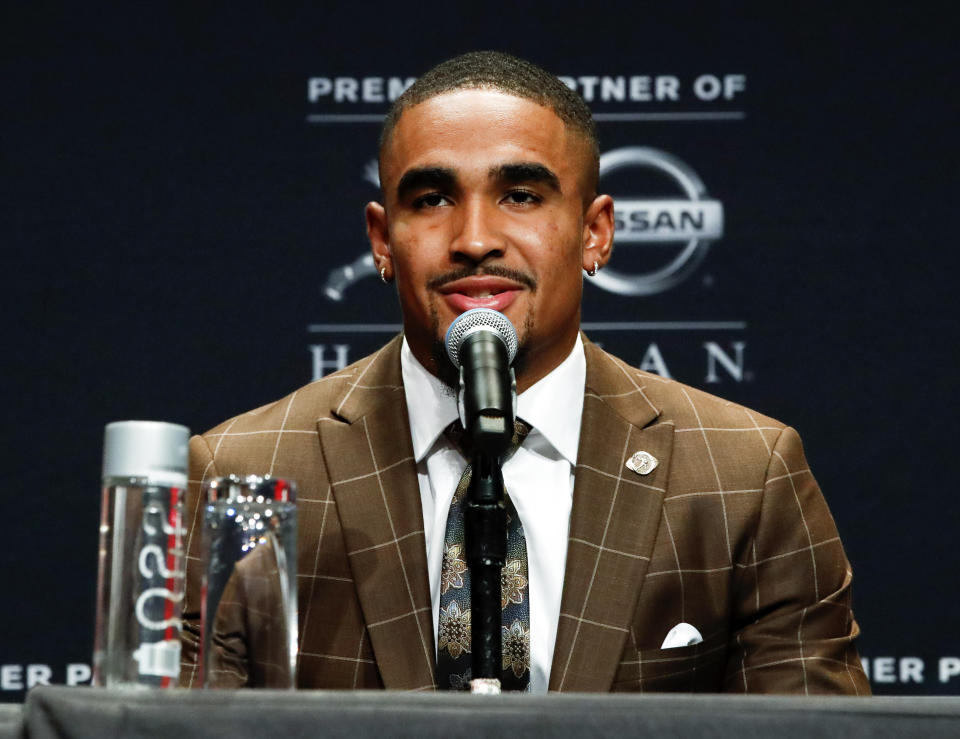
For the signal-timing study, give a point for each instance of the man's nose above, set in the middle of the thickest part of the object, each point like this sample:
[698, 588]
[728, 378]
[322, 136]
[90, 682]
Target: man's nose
[477, 234]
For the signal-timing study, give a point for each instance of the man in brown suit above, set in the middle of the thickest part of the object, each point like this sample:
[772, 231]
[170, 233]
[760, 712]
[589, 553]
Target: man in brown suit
[686, 509]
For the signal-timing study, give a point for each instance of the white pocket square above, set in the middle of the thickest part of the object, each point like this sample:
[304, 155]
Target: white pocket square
[681, 635]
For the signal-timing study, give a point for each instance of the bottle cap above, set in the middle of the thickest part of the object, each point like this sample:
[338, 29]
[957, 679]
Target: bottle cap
[153, 450]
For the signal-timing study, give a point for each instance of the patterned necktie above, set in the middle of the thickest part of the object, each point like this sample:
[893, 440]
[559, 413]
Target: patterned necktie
[454, 658]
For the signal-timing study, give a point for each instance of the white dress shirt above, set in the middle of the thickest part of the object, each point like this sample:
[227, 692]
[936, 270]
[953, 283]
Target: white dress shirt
[538, 477]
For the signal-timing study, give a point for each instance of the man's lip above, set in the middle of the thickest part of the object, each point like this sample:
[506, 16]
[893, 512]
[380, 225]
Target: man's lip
[500, 301]
[478, 284]
[480, 291]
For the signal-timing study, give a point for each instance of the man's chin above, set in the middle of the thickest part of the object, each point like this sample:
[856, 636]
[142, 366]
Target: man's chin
[450, 375]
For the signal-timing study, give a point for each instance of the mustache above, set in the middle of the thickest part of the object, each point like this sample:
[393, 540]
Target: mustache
[493, 270]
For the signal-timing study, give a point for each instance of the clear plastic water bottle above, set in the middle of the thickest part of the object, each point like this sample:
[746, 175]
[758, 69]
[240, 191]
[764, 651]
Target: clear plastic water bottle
[141, 566]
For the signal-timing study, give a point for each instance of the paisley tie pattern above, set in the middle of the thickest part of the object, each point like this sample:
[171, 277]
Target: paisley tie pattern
[454, 656]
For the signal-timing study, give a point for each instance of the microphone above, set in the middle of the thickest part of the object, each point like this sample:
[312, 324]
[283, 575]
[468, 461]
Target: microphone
[482, 344]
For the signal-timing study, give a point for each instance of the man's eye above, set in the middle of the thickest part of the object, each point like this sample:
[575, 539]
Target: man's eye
[521, 197]
[432, 200]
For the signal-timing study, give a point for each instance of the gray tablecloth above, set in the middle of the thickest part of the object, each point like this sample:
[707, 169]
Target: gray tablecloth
[88, 712]
[11, 720]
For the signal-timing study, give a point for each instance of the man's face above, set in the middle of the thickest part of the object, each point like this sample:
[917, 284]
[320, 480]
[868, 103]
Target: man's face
[485, 208]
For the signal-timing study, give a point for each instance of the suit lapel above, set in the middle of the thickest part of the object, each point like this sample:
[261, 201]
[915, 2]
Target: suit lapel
[613, 524]
[369, 457]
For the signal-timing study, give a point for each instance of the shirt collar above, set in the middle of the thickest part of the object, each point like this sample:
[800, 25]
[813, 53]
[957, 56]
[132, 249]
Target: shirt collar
[554, 406]
[432, 406]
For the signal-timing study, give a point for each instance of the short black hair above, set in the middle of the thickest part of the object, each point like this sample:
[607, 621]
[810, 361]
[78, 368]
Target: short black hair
[495, 70]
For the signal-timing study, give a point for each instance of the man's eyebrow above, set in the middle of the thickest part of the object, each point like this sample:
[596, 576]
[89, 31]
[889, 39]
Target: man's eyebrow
[441, 178]
[519, 172]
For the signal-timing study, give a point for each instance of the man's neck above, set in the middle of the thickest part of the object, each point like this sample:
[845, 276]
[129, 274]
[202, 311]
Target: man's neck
[532, 365]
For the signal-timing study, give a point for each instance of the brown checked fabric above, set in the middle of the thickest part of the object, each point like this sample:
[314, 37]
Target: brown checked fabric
[728, 533]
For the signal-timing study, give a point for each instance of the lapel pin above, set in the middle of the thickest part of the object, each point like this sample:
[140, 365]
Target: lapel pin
[643, 463]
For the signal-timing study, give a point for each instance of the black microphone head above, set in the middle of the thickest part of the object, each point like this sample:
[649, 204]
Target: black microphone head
[480, 319]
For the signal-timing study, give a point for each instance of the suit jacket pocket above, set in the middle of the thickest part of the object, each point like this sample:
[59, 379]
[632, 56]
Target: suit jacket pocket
[694, 669]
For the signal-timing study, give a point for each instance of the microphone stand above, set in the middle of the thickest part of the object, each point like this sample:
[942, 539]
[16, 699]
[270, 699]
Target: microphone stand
[485, 523]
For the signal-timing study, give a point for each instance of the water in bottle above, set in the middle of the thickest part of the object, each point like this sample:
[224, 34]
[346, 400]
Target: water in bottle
[140, 582]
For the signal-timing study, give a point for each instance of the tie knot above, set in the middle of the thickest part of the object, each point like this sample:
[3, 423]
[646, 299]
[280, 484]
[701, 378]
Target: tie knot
[462, 441]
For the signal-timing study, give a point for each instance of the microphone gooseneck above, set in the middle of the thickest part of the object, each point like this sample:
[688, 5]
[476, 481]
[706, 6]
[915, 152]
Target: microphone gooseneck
[482, 344]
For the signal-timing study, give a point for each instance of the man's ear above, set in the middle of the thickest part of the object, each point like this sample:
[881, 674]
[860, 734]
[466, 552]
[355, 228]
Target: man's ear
[379, 236]
[598, 228]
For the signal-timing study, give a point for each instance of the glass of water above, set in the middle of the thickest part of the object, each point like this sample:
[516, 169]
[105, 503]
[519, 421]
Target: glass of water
[249, 604]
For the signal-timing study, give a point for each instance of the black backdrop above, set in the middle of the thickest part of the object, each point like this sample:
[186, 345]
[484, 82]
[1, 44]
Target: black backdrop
[174, 205]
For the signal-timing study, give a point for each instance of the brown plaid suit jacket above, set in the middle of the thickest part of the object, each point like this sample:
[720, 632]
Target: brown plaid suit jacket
[730, 533]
